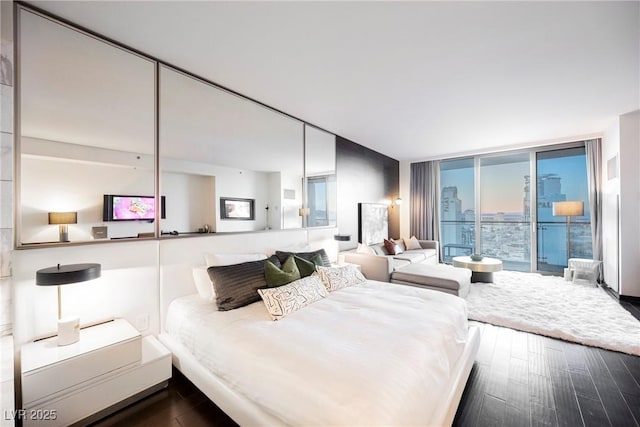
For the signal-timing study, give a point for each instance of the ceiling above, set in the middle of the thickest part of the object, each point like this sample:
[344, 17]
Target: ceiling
[412, 80]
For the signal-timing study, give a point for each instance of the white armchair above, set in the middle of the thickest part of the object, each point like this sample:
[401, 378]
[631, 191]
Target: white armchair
[585, 270]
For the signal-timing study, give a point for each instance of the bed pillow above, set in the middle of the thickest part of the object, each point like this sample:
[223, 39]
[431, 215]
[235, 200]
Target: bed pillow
[290, 298]
[282, 256]
[278, 276]
[307, 268]
[392, 247]
[203, 282]
[335, 278]
[230, 259]
[412, 243]
[365, 249]
[236, 285]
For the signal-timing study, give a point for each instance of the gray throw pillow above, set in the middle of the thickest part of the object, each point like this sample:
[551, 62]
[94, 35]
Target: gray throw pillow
[237, 285]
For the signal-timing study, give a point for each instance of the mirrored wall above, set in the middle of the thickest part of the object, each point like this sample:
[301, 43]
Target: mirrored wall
[87, 120]
[92, 118]
[227, 164]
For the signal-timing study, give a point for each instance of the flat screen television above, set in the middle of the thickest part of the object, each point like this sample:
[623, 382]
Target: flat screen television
[119, 207]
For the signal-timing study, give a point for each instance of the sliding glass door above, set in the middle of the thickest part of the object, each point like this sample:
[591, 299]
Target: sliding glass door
[457, 207]
[563, 232]
[503, 207]
[505, 220]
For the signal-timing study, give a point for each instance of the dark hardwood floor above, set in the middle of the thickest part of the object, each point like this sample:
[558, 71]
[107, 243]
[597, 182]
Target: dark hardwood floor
[518, 379]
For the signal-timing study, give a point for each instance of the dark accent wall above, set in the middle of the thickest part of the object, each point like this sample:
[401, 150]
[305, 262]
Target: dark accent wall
[364, 176]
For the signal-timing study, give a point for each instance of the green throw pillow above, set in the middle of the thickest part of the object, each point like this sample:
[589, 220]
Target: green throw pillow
[277, 277]
[306, 267]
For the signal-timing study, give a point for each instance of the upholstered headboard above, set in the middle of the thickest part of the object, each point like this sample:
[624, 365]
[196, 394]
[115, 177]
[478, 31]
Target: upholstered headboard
[178, 256]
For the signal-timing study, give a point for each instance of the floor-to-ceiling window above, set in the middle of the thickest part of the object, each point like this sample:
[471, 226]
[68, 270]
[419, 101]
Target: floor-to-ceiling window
[501, 205]
[562, 177]
[457, 207]
[505, 220]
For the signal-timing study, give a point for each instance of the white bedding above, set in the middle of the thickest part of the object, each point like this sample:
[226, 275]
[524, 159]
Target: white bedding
[374, 354]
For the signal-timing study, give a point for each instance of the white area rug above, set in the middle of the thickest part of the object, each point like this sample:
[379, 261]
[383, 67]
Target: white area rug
[551, 306]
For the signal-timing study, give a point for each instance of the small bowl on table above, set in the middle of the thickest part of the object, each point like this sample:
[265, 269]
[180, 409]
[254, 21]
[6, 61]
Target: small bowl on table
[476, 257]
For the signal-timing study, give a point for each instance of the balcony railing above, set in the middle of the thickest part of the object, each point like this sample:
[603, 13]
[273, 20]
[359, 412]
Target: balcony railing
[510, 241]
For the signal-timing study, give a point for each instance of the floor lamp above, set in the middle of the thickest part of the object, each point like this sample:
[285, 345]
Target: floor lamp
[568, 209]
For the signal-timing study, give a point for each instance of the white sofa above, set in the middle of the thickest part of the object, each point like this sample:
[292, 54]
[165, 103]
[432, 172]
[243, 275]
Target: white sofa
[381, 265]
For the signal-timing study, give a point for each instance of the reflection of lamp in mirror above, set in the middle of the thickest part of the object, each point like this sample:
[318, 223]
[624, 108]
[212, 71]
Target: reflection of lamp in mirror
[69, 327]
[63, 219]
[568, 209]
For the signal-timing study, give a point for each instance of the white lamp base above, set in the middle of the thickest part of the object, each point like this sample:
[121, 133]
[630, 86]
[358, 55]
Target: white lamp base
[68, 330]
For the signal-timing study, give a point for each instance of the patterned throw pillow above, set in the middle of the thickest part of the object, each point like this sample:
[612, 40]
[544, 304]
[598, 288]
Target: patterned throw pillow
[290, 298]
[335, 278]
[281, 276]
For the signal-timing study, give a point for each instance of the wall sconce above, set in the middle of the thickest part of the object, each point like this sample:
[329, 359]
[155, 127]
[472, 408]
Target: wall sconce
[304, 211]
[394, 203]
[63, 219]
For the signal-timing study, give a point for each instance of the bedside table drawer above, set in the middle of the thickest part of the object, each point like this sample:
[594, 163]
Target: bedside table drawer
[49, 370]
[74, 372]
[110, 392]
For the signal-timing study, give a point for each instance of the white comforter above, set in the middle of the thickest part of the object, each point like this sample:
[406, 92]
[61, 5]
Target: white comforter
[375, 354]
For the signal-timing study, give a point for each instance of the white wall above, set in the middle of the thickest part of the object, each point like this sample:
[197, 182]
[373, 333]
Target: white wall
[405, 195]
[128, 287]
[630, 204]
[290, 207]
[190, 201]
[44, 188]
[621, 255]
[610, 193]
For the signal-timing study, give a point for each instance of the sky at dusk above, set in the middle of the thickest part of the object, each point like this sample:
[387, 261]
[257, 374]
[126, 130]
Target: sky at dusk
[502, 185]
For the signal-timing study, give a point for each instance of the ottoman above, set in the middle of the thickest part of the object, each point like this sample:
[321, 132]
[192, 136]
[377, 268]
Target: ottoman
[440, 277]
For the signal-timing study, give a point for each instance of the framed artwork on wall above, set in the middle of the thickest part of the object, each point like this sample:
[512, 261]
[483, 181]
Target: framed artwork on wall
[373, 223]
[235, 208]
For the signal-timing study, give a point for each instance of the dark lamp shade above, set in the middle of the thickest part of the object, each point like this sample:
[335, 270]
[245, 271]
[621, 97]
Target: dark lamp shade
[63, 217]
[342, 237]
[65, 274]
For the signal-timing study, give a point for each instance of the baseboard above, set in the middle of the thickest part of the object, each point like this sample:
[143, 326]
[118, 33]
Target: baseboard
[628, 298]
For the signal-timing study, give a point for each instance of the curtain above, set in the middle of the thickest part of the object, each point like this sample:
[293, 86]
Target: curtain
[423, 203]
[593, 150]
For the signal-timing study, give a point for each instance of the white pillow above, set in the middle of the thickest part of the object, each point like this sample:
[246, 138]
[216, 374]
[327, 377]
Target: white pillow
[217, 260]
[203, 282]
[412, 243]
[290, 298]
[335, 278]
[365, 249]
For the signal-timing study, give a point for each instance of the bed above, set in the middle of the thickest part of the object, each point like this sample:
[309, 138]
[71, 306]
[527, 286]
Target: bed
[372, 354]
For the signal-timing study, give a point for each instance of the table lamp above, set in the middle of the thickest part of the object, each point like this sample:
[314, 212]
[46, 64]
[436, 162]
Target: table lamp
[568, 209]
[68, 327]
[63, 219]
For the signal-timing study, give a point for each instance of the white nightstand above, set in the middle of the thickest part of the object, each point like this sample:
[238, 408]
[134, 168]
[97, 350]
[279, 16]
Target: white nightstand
[111, 366]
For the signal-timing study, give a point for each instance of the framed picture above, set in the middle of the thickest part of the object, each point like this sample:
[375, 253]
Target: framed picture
[373, 223]
[234, 208]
